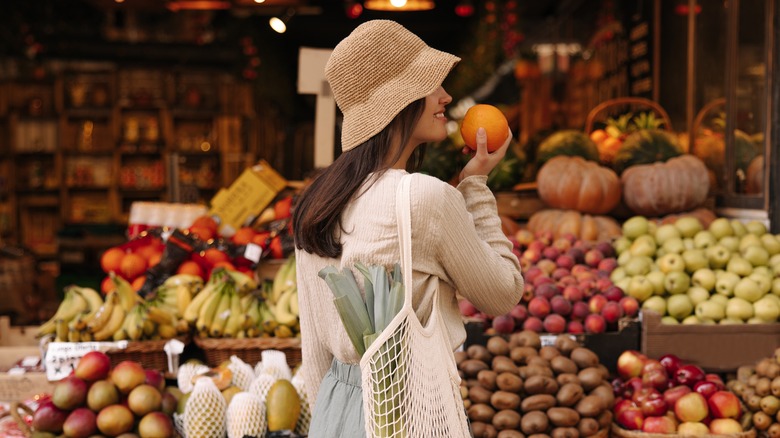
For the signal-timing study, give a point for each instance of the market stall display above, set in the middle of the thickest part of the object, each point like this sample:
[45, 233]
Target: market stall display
[758, 386]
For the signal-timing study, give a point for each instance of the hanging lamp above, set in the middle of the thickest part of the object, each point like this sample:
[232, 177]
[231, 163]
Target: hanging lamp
[399, 5]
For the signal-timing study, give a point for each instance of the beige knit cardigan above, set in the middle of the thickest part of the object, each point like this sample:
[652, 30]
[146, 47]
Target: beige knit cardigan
[457, 243]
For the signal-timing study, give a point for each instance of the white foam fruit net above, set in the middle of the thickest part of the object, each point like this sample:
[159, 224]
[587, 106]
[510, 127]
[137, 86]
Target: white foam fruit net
[302, 427]
[405, 391]
[178, 423]
[261, 385]
[275, 363]
[246, 416]
[185, 374]
[204, 414]
[243, 374]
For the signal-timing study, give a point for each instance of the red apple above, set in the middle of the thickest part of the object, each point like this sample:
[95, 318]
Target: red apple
[712, 377]
[691, 407]
[630, 418]
[612, 312]
[572, 293]
[593, 257]
[689, 375]
[632, 386]
[547, 290]
[630, 364]
[613, 293]
[595, 324]
[725, 426]
[656, 378]
[693, 428]
[155, 378]
[575, 327]
[466, 308]
[542, 279]
[671, 395]
[622, 404]
[560, 305]
[554, 323]
[559, 274]
[577, 254]
[551, 253]
[547, 266]
[519, 312]
[565, 261]
[531, 274]
[659, 424]
[653, 405]
[671, 363]
[630, 306]
[596, 303]
[608, 264]
[533, 324]
[539, 307]
[706, 388]
[579, 310]
[503, 324]
[724, 404]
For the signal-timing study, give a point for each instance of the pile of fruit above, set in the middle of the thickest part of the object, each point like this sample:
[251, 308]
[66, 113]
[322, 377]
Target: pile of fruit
[567, 288]
[724, 273]
[239, 400]
[668, 396]
[520, 388]
[97, 399]
[759, 388]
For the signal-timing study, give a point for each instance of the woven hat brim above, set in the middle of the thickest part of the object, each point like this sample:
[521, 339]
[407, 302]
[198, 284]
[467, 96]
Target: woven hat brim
[421, 78]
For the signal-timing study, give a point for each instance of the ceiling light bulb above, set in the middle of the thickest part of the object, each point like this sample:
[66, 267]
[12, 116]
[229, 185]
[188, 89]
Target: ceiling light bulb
[277, 25]
[398, 3]
[259, 1]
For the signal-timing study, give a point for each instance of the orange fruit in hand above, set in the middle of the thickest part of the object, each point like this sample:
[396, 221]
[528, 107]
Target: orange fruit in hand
[488, 117]
[111, 260]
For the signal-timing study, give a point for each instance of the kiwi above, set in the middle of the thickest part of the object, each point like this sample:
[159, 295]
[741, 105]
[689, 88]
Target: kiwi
[472, 367]
[565, 344]
[567, 378]
[590, 406]
[478, 429]
[605, 419]
[606, 393]
[526, 338]
[548, 352]
[563, 365]
[520, 355]
[588, 426]
[479, 395]
[503, 364]
[479, 352]
[505, 400]
[506, 419]
[534, 370]
[584, 358]
[509, 433]
[540, 385]
[481, 412]
[565, 432]
[590, 378]
[487, 378]
[498, 346]
[569, 394]
[460, 356]
[563, 417]
[539, 402]
[534, 422]
[509, 382]
[538, 361]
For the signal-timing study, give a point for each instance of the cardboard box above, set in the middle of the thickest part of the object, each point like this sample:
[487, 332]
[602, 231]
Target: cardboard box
[16, 336]
[23, 386]
[716, 348]
[247, 197]
[9, 356]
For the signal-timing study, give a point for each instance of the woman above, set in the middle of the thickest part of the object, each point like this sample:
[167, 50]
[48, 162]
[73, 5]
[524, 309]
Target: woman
[387, 83]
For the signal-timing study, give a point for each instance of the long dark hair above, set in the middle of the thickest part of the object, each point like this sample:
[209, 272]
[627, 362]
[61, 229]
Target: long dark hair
[317, 217]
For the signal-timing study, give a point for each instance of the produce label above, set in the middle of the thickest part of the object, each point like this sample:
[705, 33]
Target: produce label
[62, 357]
[549, 340]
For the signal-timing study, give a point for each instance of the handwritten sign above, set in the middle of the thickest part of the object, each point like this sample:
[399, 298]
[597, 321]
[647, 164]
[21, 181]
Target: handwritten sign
[62, 357]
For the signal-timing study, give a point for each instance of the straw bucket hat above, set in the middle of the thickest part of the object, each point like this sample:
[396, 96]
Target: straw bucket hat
[377, 71]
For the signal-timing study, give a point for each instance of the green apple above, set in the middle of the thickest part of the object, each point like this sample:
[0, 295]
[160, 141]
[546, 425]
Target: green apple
[718, 256]
[755, 320]
[776, 269]
[688, 243]
[623, 258]
[771, 244]
[738, 308]
[730, 242]
[766, 309]
[763, 281]
[764, 270]
[673, 244]
[695, 259]
[721, 227]
[666, 232]
[677, 282]
[738, 227]
[671, 262]
[704, 239]
[704, 278]
[656, 304]
[621, 244]
[657, 279]
[747, 289]
[776, 287]
[729, 321]
[651, 227]
[669, 321]
[643, 245]
[679, 306]
[623, 283]
[718, 298]
[739, 266]
[726, 283]
[749, 240]
[756, 255]
[710, 310]
[756, 228]
[774, 259]
[697, 294]
[638, 265]
[688, 226]
[691, 320]
[617, 274]
[660, 252]
[635, 227]
[640, 288]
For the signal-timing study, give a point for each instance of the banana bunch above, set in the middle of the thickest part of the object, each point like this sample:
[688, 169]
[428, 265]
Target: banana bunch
[111, 316]
[279, 311]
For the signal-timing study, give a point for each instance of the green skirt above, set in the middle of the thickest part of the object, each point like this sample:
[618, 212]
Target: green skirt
[338, 412]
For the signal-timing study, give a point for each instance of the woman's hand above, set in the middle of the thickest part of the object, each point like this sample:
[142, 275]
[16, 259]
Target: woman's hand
[482, 161]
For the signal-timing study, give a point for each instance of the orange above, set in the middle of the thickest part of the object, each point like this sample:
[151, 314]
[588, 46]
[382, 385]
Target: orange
[224, 264]
[112, 259]
[244, 235]
[488, 117]
[138, 283]
[147, 251]
[206, 221]
[190, 267]
[598, 136]
[214, 256]
[132, 266]
[107, 285]
[205, 234]
[154, 259]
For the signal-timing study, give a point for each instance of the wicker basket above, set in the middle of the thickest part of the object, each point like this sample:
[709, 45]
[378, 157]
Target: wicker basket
[217, 351]
[602, 110]
[619, 432]
[150, 354]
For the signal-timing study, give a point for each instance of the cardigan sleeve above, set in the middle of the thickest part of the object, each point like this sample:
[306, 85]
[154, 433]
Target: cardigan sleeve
[472, 248]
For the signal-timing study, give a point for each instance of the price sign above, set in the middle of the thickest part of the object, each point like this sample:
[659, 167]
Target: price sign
[253, 252]
[549, 340]
[62, 357]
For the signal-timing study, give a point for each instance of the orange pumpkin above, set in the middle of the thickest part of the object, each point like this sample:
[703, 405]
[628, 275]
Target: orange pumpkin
[583, 226]
[679, 184]
[573, 183]
[754, 176]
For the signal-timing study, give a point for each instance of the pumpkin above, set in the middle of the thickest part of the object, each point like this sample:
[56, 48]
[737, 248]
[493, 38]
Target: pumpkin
[583, 226]
[646, 146]
[567, 142]
[711, 149]
[572, 183]
[658, 189]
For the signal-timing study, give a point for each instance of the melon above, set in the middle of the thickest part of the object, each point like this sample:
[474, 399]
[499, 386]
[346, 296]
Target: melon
[645, 147]
[567, 142]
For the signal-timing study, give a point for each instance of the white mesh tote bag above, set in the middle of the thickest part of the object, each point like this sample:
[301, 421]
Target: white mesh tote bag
[410, 380]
